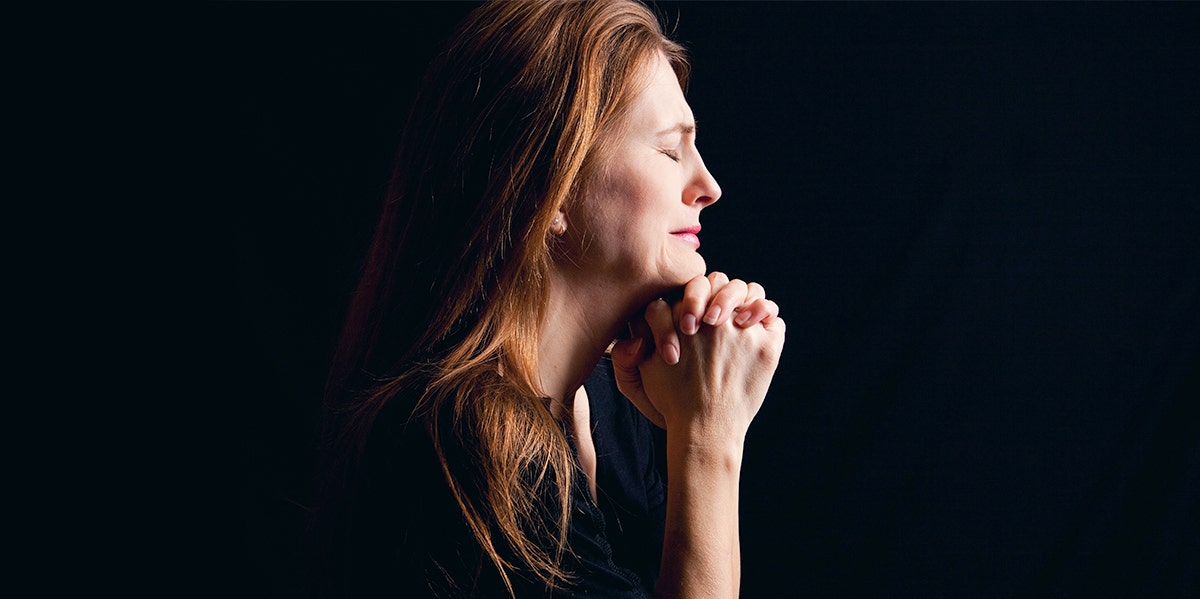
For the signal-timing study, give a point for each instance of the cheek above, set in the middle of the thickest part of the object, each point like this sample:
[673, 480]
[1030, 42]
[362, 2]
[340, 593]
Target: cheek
[628, 206]
[642, 195]
[616, 203]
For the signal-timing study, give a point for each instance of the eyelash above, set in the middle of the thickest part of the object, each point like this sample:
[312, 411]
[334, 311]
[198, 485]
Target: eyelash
[672, 154]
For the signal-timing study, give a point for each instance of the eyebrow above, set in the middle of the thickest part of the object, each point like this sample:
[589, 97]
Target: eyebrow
[679, 127]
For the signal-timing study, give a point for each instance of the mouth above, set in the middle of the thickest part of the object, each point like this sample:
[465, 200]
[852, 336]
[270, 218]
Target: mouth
[688, 235]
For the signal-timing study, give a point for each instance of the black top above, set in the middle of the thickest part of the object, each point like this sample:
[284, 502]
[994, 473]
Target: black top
[405, 526]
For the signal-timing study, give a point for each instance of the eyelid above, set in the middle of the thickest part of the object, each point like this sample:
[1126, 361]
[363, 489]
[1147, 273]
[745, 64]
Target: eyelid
[671, 153]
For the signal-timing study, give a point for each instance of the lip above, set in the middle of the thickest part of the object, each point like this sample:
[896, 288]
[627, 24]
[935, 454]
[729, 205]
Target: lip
[688, 235]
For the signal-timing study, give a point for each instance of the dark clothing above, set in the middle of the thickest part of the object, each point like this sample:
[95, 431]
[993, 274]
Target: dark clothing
[405, 526]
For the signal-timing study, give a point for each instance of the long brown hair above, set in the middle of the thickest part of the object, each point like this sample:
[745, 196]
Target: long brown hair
[511, 122]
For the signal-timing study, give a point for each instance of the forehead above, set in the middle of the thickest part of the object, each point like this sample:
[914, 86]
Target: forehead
[660, 104]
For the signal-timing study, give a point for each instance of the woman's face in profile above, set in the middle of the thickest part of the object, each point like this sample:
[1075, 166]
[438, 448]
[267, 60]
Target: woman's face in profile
[640, 219]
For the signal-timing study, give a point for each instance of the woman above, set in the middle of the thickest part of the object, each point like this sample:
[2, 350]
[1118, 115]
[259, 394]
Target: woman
[546, 195]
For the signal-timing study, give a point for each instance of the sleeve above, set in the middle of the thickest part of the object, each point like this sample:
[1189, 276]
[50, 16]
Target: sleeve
[410, 535]
[631, 487]
[592, 559]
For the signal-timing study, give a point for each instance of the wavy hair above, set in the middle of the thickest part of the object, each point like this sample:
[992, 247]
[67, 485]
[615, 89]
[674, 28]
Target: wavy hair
[513, 119]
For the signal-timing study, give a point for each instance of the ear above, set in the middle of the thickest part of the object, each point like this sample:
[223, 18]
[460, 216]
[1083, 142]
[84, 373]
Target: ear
[558, 226]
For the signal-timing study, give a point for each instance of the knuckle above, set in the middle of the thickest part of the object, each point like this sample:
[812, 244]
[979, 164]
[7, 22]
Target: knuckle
[734, 288]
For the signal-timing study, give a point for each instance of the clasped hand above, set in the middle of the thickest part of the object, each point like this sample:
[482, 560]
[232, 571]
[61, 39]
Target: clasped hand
[703, 363]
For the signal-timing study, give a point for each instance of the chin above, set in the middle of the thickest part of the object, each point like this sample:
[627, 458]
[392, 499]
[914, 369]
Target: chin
[701, 268]
[669, 279]
[695, 267]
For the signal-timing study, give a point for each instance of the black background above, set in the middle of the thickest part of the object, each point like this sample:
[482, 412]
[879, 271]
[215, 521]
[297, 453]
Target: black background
[980, 221]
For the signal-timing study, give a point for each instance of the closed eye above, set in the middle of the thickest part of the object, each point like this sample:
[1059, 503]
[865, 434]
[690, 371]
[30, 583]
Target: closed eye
[672, 154]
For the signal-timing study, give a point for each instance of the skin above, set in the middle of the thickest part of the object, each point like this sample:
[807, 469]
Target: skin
[699, 368]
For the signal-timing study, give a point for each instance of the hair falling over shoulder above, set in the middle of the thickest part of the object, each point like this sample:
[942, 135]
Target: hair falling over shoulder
[510, 122]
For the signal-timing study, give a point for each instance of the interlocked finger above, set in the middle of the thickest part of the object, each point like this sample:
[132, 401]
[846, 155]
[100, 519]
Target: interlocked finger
[724, 302]
[662, 326]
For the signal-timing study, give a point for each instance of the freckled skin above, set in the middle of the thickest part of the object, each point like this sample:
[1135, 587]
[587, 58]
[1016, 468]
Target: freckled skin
[628, 241]
[655, 184]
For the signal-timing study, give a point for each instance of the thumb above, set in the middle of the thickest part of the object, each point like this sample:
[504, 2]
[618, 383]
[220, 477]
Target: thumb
[627, 355]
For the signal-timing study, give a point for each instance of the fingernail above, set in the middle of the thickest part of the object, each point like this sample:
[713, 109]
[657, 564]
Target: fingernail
[712, 315]
[672, 354]
[688, 322]
[742, 318]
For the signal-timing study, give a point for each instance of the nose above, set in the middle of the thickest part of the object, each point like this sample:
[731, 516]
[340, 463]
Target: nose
[702, 188]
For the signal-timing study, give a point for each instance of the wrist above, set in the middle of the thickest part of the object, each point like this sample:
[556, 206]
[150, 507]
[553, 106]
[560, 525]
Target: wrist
[706, 449]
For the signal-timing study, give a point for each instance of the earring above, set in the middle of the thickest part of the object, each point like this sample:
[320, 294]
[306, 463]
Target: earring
[557, 226]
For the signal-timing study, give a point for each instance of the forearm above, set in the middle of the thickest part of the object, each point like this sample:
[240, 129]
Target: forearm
[701, 557]
[704, 387]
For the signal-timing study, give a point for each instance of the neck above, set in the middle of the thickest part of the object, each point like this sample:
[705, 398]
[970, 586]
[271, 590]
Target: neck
[575, 331]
